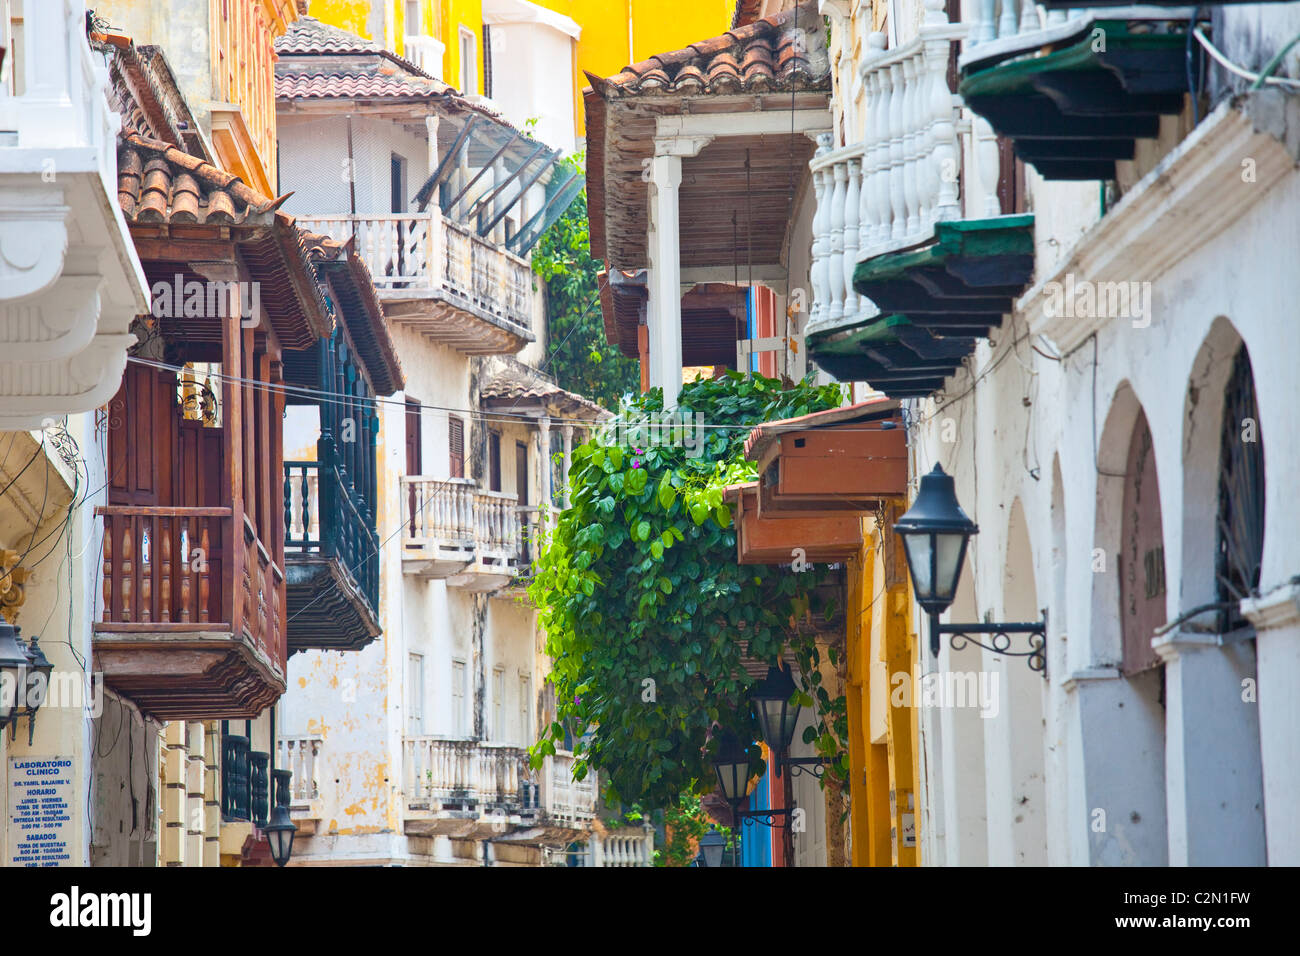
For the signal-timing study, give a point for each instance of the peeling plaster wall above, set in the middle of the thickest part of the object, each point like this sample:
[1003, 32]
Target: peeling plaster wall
[995, 438]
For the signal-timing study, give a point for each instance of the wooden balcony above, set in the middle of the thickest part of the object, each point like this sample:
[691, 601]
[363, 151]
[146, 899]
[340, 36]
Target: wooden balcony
[441, 279]
[787, 537]
[457, 533]
[192, 616]
[331, 553]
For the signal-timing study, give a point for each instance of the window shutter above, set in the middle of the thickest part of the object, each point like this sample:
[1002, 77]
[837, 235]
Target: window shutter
[456, 435]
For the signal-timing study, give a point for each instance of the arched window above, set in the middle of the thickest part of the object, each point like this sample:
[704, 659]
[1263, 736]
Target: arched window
[1240, 536]
[1142, 553]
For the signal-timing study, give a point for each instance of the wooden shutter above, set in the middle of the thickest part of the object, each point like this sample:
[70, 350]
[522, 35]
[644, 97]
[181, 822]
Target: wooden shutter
[456, 446]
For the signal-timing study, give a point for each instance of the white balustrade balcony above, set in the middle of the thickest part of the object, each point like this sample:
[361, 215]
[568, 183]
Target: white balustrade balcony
[300, 755]
[905, 168]
[456, 532]
[565, 800]
[627, 846]
[441, 277]
[447, 774]
[71, 281]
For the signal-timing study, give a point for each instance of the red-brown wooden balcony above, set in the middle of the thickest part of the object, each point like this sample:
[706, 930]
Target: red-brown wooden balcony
[791, 536]
[843, 461]
[193, 610]
[441, 278]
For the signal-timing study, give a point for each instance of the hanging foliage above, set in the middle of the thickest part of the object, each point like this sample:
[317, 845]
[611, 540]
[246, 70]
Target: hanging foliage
[576, 351]
[645, 607]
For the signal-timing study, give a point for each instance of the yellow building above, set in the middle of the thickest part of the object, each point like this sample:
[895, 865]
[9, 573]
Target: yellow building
[452, 39]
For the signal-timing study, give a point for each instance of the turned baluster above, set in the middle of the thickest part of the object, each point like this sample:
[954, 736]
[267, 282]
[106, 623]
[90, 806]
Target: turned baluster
[202, 569]
[911, 148]
[835, 262]
[165, 576]
[894, 93]
[852, 211]
[819, 243]
[185, 569]
[146, 572]
[128, 567]
[1007, 24]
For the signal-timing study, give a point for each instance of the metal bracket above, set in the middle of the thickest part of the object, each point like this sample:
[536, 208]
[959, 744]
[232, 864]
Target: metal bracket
[999, 639]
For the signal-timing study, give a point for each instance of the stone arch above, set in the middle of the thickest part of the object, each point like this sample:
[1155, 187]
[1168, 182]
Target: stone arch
[1121, 715]
[1013, 738]
[1214, 766]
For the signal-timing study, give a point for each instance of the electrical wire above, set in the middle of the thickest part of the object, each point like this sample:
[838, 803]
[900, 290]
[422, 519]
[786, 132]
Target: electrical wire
[1257, 79]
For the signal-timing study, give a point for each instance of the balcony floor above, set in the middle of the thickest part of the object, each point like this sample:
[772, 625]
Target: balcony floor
[176, 672]
[443, 316]
[325, 608]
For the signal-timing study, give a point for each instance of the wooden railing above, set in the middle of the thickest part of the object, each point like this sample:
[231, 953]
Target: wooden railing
[418, 254]
[439, 771]
[163, 566]
[165, 570]
[328, 517]
[564, 799]
[263, 583]
[300, 755]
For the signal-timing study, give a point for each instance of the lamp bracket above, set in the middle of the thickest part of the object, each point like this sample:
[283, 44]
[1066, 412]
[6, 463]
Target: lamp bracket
[813, 766]
[767, 818]
[999, 639]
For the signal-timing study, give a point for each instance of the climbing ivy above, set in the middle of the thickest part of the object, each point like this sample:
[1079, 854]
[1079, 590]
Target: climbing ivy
[576, 351]
[645, 607]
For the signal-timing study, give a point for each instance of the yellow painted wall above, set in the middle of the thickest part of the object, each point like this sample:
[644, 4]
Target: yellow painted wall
[882, 725]
[605, 46]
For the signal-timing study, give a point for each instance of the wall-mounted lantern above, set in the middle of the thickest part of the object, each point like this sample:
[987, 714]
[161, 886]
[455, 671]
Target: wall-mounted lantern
[935, 533]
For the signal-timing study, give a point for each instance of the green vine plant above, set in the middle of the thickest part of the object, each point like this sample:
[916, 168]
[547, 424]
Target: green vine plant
[648, 614]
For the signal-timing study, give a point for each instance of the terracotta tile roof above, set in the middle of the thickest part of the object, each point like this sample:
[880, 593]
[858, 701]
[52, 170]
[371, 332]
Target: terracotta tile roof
[160, 187]
[778, 53]
[517, 383]
[156, 183]
[747, 11]
[355, 85]
[309, 35]
[360, 310]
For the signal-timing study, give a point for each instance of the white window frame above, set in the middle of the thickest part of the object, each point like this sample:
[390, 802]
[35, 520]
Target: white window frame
[414, 695]
[499, 704]
[459, 679]
[525, 708]
[468, 65]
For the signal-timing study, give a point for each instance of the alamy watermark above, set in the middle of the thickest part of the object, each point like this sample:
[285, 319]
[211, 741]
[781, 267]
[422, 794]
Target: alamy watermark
[211, 299]
[1084, 299]
[675, 429]
[63, 689]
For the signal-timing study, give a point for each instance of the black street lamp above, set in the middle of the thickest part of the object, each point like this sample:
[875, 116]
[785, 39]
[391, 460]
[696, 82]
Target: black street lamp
[733, 767]
[711, 846]
[13, 672]
[935, 533]
[36, 686]
[279, 832]
[773, 699]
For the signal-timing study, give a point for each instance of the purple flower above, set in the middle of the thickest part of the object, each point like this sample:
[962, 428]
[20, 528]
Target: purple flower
[636, 462]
